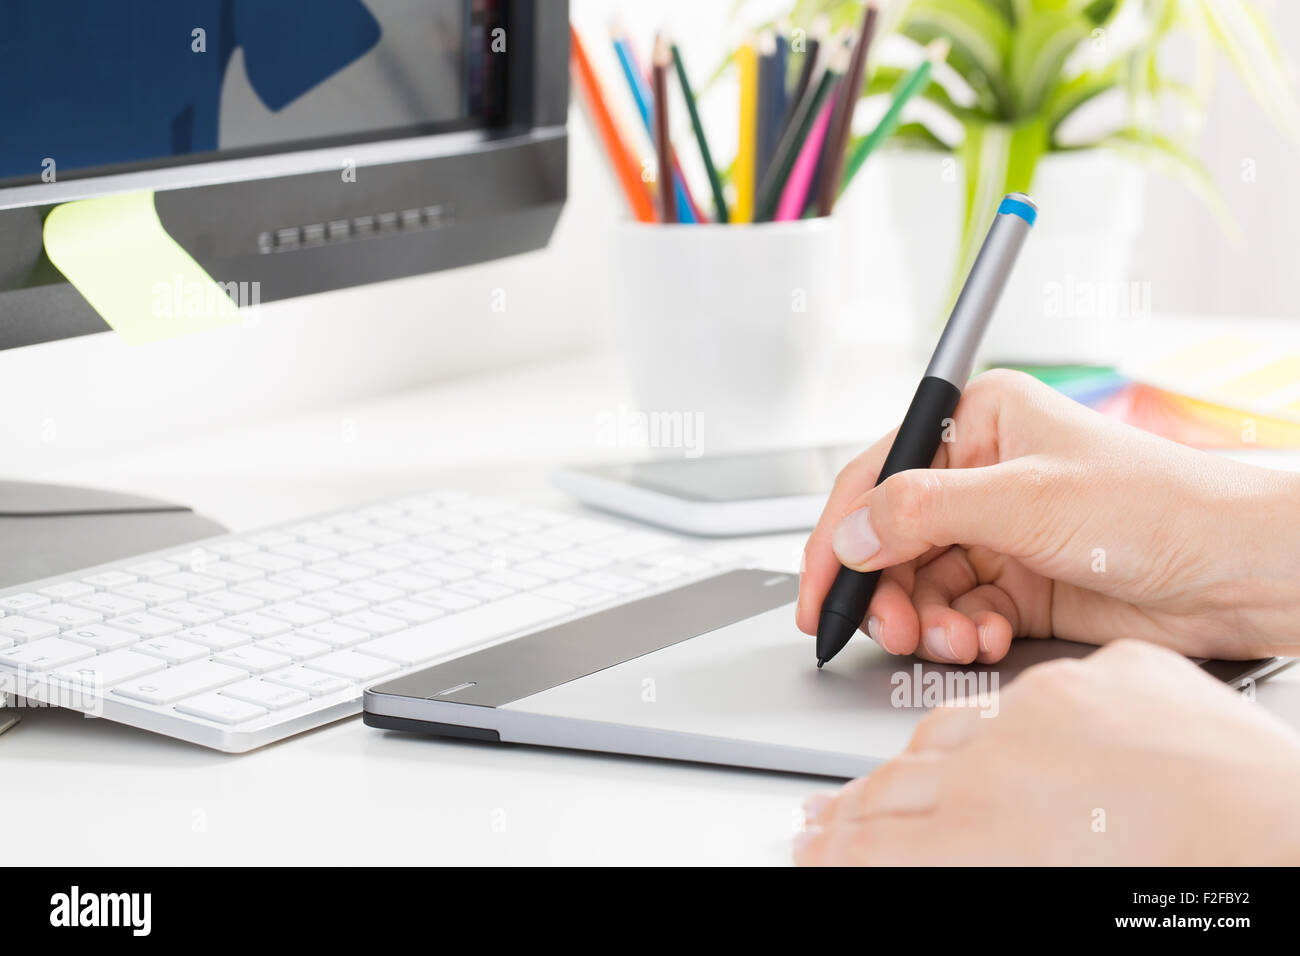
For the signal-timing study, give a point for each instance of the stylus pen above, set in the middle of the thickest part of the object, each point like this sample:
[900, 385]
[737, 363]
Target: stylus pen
[935, 400]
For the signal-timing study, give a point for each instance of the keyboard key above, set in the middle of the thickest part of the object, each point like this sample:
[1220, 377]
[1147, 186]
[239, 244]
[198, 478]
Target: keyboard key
[544, 516]
[304, 581]
[447, 542]
[270, 696]
[447, 600]
[232, 549]
[110, 605]
[370, 592]
[228, 602]
[18, 603]
[345, 520]
[256, 625]
[171, 649]
[253, 659]
[266, 591]
[148, 570]
[102, 637]
[65, 615]
[514, 524]
[195, 559]
[628, 546]
[220, 709]
[575, 594]
[338, 543]
[376, 536]
[372, 623]
[657, 574]
[438, 638]
[482, 533]
[412, 612]
[192, 583]
[187, 613]
[305, 553]
[296, 614]
[44, 654]
[476, 560]
[511, 553]
[545, 543]
[308, 529]
[412, 552]
[269, 563]
[109, 580]
[443, 571]
[335, 603]
[483, 590]
[270, 539]
[380, 512]
[611, 582]
[296, 648]
[316, 683]
[102, 671]
[514, 579]
[20, 630]
[584, 531]
[170, 685]
[407, 581]
[67, 591]
[353, 665]
[151, 593]
[213, 636]
[334, 634]
[146, 625]
[232, 573]
[552, 570]
[378, 560]
[581, 559]
[342, 570]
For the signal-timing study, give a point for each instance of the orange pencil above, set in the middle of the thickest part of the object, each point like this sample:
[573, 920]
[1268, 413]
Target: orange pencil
[621, 156]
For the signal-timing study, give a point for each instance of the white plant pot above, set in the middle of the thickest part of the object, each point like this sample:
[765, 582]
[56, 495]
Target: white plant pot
[1071, 299]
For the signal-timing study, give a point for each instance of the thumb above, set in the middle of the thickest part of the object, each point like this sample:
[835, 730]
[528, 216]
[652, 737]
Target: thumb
[914, 511]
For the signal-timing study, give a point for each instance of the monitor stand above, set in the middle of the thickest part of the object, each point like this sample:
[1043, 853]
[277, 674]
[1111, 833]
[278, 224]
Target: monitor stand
[47, 530]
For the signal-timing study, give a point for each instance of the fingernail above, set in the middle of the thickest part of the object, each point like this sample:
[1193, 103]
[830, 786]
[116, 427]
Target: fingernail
[804, 837]
[855, 540]
[814, 807]
[873, 629]
[984, 645]
[937, 644]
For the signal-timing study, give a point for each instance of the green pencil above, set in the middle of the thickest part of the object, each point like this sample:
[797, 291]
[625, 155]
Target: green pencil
[801, 124]
[715, 181]
[910, 85]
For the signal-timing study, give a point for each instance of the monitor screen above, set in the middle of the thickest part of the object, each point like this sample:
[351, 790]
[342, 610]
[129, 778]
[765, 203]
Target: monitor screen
[138, 84]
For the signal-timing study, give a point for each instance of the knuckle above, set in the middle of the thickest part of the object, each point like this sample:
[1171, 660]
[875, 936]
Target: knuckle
[909, 498]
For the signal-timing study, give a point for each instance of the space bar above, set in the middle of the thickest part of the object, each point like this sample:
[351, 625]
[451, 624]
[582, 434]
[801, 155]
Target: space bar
[467, 629]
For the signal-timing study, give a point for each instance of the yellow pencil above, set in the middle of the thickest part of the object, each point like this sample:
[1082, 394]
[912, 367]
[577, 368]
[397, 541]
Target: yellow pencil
[747, 60]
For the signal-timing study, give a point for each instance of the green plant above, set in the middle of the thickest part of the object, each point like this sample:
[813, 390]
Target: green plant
[1029, 67]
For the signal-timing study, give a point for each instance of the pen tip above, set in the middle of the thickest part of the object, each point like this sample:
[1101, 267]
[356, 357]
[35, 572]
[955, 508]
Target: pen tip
[820, 662]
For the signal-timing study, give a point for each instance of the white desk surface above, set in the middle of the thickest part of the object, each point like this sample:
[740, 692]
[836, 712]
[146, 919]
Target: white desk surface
[90, 792]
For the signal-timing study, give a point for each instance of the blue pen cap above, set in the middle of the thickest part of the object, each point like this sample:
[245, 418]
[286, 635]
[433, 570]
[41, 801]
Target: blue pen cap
[1019, 204]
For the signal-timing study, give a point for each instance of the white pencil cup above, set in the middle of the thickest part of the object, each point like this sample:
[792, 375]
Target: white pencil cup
[726, 326]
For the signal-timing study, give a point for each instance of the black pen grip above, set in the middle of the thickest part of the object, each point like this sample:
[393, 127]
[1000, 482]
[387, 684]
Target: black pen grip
[915, 446]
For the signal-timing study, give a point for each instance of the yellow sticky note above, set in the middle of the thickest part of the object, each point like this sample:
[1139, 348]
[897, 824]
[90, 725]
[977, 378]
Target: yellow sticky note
[117, 254]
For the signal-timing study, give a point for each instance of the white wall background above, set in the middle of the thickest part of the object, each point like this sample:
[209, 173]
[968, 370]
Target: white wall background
[95, 396]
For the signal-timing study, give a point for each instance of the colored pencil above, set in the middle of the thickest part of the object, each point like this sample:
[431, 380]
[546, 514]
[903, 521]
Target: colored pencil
[688, 94]
[795, 196]
[910, 85]
[621, 157]
[842, 122]
[747, 61]
[781, 83]
[773, 183]
[768, 117]
[660, 62]
[644, 97]
[817, 35]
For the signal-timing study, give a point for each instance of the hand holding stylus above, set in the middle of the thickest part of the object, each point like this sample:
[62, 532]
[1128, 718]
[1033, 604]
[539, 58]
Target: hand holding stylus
[1043, 518]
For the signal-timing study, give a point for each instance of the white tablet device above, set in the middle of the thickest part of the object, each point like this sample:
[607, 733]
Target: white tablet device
[753, 493]
[714, 672]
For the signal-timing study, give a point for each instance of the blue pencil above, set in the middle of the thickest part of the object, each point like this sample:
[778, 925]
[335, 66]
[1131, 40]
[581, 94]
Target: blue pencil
[645, 106]
[769, 118]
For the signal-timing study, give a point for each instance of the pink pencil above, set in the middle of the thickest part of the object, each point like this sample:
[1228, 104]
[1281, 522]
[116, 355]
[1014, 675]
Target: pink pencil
[795, 194]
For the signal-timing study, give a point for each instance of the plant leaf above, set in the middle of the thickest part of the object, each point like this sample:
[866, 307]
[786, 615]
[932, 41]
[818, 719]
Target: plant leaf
[1040, 47]
[981, 44]
[1173, 161]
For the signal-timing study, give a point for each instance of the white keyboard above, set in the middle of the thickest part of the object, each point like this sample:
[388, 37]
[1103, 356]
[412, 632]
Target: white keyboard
[244, 639]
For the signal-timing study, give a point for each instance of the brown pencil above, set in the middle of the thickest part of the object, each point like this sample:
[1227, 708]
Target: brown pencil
[661, 62]
[837, 137]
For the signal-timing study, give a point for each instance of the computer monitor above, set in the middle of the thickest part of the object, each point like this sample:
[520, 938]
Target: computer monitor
[302, 146]
[293, 147]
